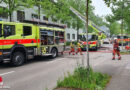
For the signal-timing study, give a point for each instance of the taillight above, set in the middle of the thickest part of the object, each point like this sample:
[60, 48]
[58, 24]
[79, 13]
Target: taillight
[84, 43]
[89, 42]
[94, 43]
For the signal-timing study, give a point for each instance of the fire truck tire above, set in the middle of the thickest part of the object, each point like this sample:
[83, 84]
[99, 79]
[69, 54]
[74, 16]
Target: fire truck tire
[54, 53]
[17, 59]
[96, 48]
[1, 62]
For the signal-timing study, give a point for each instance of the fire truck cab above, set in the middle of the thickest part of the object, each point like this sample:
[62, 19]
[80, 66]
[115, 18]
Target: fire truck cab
[93, 41]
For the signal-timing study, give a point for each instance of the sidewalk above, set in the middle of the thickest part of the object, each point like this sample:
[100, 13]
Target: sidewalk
[120, 72]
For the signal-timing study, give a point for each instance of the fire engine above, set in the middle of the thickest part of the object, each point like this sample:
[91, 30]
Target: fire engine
[22, 41]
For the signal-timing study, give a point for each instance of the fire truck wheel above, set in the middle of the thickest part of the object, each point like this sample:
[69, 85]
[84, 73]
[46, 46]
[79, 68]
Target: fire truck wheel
[1, 62]
[54, 53]
[17, 59]
[96, 48]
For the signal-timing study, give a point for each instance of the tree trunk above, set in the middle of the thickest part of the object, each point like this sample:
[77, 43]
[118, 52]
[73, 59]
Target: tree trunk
[77, 34]
[87, 46]
[77, 31]
[39, 12]
[10, 14]
[10, 17]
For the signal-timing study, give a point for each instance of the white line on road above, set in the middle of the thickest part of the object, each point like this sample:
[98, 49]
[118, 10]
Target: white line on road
[7, 73]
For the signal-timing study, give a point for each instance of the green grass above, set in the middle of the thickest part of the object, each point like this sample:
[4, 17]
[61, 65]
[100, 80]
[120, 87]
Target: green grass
[68, 43]
[79, 79]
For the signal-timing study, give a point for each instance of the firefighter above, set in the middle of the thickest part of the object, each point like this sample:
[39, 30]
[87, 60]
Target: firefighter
[72, 50]
[116, 50]
[79, 48]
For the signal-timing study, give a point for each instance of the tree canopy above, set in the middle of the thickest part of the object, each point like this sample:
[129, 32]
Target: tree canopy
[120, 10]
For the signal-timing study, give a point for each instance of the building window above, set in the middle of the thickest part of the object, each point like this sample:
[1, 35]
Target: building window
[68, 36]
[34, 16]
[73, 36]
[45, 18]
[20, 15]
[3, 13]
[27, 30]
[9, 29]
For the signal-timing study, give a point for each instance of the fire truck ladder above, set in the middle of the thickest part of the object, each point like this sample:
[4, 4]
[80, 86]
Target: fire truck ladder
[83, 18]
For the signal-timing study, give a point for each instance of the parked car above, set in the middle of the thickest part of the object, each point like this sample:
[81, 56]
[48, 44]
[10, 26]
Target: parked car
[106, 41]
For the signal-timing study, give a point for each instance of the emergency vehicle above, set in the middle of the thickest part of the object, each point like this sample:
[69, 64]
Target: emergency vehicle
[95, 38]
[22, 41]
[122, 39]
[93, 41]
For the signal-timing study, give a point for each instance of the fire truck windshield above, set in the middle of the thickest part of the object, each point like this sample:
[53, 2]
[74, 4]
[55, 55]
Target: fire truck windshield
[122, 37]
[90, 37]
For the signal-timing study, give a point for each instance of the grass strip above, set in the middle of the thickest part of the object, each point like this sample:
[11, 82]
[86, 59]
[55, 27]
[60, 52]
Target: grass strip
[80, 80]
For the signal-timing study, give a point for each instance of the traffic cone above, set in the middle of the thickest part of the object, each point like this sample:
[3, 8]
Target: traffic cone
[1, 81]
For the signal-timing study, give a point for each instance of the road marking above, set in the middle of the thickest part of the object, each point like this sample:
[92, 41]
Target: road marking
[7, 73]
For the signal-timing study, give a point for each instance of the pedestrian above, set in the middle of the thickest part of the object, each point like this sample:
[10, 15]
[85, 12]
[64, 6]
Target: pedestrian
[116, 50]
[72, 49]
[79, 48]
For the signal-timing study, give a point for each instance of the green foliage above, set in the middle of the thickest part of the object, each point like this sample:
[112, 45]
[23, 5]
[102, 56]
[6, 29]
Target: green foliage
[13, 6]
[68, 43]
[80, 79]
[115, 28]
[120, 11]
[108, 2]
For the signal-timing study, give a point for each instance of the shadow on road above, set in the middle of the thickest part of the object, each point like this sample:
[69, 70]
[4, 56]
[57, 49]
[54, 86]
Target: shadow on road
[37, 59]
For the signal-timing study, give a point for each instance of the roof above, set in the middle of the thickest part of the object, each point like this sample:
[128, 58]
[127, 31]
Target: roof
[46, 23]
[29, 22]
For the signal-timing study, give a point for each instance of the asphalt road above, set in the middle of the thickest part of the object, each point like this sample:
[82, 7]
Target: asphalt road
[42, 73]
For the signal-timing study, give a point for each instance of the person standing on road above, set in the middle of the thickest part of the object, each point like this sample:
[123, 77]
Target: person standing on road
[116, 50]
[72, 48]
[79, 48]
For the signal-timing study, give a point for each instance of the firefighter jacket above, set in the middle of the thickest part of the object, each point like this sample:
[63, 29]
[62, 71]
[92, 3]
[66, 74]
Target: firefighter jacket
[116, 46]
[71, 45]
[78, 45]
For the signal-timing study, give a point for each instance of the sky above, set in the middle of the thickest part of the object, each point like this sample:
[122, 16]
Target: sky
[101, 8]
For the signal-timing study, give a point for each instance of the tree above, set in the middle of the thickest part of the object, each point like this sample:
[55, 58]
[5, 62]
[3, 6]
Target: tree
[121, 13]
[38, 4]
[79, 5]
[13, 5]
[115, 28]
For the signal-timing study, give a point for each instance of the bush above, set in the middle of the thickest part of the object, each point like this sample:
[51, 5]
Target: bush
[68, 43]
[80, 79]
[125, 52]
